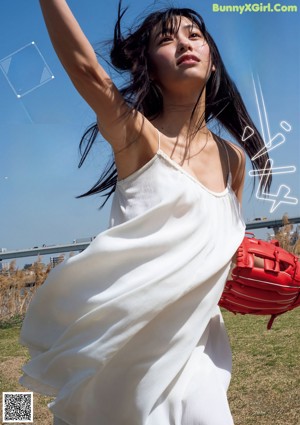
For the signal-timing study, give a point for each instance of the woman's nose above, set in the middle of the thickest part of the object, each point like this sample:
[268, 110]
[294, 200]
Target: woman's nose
[183, 45]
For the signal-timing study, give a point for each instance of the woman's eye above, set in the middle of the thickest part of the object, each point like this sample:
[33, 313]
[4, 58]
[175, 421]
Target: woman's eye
[195, 35]
[165, 38]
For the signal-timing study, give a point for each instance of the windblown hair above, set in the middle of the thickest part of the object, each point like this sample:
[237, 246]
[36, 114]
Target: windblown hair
[223, 101]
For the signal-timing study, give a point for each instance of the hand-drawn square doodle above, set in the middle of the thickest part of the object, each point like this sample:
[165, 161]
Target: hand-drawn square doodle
[26, 69]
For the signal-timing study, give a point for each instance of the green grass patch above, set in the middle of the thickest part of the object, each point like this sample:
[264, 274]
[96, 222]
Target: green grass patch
[266, 372]
[12, 322]
[9, 343]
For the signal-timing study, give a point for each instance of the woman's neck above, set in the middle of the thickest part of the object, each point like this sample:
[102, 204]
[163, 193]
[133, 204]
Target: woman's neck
[176, 118]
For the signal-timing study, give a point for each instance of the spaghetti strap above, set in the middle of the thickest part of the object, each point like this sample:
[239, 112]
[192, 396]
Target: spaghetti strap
[158, 149]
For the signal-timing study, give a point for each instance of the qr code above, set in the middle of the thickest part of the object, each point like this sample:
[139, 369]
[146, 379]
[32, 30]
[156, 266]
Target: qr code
[17, 407]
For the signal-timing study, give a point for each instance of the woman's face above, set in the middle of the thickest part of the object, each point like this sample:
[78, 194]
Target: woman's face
[178, 57]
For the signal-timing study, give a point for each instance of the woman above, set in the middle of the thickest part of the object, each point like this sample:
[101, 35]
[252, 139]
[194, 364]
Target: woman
[129, 331]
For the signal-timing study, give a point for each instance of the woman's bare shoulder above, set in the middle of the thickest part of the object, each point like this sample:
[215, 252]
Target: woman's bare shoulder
[237, 160]
[237, 157]
[236, 152]
[141, 146]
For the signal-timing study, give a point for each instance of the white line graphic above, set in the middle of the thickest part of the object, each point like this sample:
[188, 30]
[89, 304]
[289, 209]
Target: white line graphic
[271, 142]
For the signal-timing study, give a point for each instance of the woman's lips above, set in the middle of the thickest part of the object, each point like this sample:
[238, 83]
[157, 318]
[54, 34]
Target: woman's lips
[187, 59]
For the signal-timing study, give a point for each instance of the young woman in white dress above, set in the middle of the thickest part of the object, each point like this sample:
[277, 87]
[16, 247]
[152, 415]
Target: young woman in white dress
[129, 332]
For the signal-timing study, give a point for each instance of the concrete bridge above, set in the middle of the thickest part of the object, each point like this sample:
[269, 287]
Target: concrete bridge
[31, 252]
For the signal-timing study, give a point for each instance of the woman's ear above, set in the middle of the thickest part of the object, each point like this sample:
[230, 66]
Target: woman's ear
[213, 68]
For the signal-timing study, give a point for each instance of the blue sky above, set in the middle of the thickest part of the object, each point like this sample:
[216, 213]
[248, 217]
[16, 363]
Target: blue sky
[40, 131]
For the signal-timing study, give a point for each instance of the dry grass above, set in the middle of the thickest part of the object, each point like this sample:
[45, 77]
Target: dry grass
[288, 236]
[17, 288]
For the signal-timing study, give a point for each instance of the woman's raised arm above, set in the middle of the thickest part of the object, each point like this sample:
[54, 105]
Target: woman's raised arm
[90, 79]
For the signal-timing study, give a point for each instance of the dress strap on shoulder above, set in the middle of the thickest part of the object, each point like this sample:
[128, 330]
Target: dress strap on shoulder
[158, 132]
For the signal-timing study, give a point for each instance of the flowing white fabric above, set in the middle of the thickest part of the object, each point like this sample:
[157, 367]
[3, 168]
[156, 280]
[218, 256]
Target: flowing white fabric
[128, 332]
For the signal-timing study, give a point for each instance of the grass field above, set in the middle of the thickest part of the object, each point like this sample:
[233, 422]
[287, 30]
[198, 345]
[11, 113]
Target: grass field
[265, 386]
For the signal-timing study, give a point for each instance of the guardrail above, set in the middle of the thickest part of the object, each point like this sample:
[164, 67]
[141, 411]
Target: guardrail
[270, 224]
[32, 252]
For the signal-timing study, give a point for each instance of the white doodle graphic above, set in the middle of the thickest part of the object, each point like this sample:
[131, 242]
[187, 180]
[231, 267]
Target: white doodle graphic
[281, 196]
[26, 70]
[286, 126]
[248, 132]
[275, 170]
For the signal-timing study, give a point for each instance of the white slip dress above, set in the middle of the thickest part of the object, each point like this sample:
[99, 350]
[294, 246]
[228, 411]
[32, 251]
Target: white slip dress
[129, 331]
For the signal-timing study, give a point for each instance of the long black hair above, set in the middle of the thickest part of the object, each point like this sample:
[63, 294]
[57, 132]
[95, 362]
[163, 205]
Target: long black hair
[223, 103]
